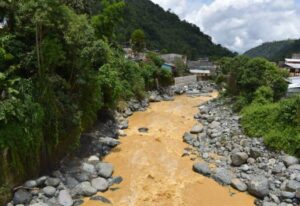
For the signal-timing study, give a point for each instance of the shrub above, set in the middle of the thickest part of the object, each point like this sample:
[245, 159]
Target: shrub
[278, 123]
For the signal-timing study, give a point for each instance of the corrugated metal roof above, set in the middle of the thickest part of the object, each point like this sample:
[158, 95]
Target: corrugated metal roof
[292, 60]
[295, 66]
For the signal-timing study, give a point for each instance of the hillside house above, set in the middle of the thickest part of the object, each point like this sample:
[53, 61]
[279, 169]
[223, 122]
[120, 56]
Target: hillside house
[293, 65]
[202, 67]
[172, 58]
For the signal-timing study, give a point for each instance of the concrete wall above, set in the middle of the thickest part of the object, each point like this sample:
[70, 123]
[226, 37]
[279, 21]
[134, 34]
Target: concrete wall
[186, 80]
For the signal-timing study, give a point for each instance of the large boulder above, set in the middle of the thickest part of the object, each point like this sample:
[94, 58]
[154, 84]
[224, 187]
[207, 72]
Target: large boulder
[100, 184]
[84, 189]
[290, 160]
[30, 184]
[239, 185]
[105, 169]
[88, 168]
[54, 182]
[202, 168]
[223, 176]
[22, 197]
[292, 185]
[198, 128]
[64, 198]
[239, 158]
[188, 138]
[49, 191]
[258, 186]
[295, 167]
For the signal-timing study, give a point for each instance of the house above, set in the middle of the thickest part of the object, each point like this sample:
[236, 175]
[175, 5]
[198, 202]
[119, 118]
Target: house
[293, 64]
[172, 58]
[294, 85]
[202, 67]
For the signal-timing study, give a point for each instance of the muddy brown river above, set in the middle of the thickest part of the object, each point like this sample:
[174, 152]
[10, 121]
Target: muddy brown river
[152, 166]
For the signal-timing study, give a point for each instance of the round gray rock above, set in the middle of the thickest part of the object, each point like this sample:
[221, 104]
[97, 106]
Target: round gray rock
[22, 197]
[54, 182]
[292, 185]
[258, 186]
[100, 184]
[85, 189]
[187, 137]
[223, 176]
[202, 168]
[49, 191]
[88, 168]
[30, 184]
[239, 185]
[197, 129]
[239, 158]
[290, 160]
[64, 198]
[104, 169]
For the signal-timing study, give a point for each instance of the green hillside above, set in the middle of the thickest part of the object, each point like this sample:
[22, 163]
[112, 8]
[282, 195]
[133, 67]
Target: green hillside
[275, 51]
[164, 30]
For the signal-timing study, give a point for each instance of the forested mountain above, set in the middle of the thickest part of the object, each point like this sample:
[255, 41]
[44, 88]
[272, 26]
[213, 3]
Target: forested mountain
[164, 30]
[275, 51]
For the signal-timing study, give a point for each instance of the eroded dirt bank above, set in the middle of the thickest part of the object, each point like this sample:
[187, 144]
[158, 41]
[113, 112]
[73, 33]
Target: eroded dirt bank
[151, 165]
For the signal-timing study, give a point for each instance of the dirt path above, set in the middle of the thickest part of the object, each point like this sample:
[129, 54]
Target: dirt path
[151, 165]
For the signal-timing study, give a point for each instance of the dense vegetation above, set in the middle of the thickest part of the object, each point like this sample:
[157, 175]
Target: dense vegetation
[275, 51]
[58, 67]
[258, 88]
[165, 31]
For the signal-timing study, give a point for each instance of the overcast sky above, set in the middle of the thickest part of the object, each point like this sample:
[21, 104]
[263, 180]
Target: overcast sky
[240, 24]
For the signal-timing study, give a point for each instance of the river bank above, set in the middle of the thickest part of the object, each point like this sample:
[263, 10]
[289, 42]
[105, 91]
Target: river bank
[137, 157]
[154, 168]
[243, 162]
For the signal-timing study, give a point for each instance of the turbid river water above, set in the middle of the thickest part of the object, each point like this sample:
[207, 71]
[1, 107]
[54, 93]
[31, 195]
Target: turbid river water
[152, 166]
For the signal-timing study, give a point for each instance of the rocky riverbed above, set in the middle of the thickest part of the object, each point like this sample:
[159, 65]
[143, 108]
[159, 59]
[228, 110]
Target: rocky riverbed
[240, 161]
[217, 146]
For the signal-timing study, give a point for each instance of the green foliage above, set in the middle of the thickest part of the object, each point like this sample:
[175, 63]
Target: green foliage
[278, 123]
[245, 76]
[263, 95]
[138, 40]
[164, 30]
[180, 67]
[58, 68]
[110, 16]
[153, 58]
[258, 87]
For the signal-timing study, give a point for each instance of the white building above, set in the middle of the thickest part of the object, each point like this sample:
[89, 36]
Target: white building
[293, 64]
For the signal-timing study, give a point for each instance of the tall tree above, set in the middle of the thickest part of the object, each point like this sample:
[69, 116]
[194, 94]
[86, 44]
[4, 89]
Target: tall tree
[138, 40]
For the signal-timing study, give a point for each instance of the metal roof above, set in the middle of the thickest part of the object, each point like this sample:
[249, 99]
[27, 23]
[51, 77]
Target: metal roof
[292, 60]
[295, 66]
[198, 71]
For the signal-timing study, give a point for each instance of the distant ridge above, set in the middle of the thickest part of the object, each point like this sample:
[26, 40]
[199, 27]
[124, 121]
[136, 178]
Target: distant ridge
[275, 51]
[165, 30]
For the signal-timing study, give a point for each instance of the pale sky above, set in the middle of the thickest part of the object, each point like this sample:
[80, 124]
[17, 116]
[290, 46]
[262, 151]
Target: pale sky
[240, 24]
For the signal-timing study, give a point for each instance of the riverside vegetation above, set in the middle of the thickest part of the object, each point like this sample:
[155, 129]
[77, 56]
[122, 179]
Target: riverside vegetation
[259, 87]
[60, 65]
